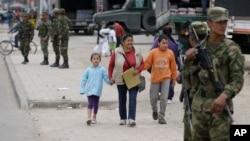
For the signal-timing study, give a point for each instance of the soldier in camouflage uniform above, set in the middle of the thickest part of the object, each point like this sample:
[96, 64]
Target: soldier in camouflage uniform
[54, 34]
[190, 77]
[211, 121]
[64, 38]
[25, 35]
[44, 33]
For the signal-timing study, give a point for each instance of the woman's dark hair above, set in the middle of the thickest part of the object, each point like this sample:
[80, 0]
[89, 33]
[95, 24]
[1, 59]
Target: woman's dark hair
[126, 35]
[161, 37]
[95, 53]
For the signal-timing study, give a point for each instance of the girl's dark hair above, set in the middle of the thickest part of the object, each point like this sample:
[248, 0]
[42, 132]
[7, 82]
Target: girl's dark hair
[162, 36]
[95, 53]
[126, 35]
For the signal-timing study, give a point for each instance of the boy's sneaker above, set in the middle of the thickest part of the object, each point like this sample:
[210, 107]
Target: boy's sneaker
[169, 101]
[123, 122]
[93, 121]
[155, 115]
[162, 121]
[88, 122]
[132, 123]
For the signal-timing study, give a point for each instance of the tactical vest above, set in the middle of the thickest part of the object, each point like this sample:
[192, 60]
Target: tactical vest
[206, 92]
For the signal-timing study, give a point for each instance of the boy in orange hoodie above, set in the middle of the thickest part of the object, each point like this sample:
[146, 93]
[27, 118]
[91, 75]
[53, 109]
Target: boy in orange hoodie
[164, 69]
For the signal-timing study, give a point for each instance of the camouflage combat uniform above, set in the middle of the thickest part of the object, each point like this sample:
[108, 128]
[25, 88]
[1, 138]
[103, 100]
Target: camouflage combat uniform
[64, 37]
[25, 35]
[228, 63]
[191, 82]
[54, 34]
[44, 33]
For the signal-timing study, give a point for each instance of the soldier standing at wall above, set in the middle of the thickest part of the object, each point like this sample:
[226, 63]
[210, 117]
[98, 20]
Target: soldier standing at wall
[55, 36]
[64, 38]
[44, 32]
[25, 35]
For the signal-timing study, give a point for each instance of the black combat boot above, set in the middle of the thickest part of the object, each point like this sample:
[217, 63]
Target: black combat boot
[45, 61]
[65, 65]
[56, 64]
[25, 61]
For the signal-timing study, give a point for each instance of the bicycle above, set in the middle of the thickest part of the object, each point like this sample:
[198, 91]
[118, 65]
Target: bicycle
[6, 46]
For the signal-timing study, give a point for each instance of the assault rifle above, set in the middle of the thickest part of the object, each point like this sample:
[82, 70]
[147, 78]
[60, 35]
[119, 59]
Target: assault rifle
[185, 95]
[205, 63]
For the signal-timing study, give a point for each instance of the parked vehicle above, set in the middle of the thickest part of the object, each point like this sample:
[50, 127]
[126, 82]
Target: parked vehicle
[135, 16]
[80, 12]
[238, 27]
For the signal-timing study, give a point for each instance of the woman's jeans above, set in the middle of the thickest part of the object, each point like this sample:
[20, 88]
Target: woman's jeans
[122, 91]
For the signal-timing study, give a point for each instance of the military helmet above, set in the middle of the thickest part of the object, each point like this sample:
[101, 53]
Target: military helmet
[45, 13]
[62, 11]
[25, 15]
[55, 11]
[218, 14]
[200, 27]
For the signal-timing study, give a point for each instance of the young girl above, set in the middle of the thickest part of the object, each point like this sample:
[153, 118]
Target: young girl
[162, 62]
[91, 85]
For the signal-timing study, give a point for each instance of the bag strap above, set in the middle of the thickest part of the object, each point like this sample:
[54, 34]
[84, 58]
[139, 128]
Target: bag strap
[126, 59]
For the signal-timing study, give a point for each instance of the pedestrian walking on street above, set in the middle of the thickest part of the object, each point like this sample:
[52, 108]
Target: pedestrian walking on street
[64, 38]
[44, 33]
[117, 66]
[112, 39]
[119, 31]
[54, 34]
[173, 45]
[103, 45]
[92, 84]
[161, 60]
[25, 35]
[212, 104]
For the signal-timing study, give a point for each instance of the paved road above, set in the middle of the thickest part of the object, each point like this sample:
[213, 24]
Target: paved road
[15, 124]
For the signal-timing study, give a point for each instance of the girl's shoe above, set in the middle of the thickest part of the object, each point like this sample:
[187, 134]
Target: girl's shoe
[88, 122]
[93, 121]
[123, 122]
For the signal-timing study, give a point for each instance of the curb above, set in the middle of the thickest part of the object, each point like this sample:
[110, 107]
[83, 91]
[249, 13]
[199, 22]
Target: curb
[24, 103]
[17, 85]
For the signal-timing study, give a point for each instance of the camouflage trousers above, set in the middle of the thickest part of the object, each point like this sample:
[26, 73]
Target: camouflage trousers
[55, 45]
[187, 129]
[44, 47]
[25, 47]
[64, 48]
[210, 127]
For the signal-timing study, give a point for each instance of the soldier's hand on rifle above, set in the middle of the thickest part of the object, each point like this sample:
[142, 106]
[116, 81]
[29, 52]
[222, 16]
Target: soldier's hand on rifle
[219, 103]
[191, 53]
[60, 36]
